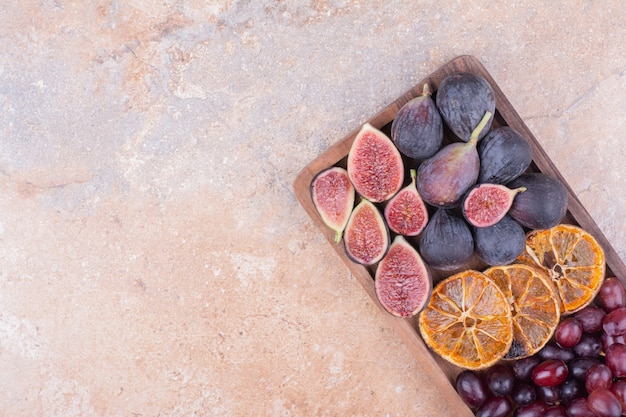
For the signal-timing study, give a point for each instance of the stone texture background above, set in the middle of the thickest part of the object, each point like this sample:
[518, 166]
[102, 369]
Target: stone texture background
[154, 259]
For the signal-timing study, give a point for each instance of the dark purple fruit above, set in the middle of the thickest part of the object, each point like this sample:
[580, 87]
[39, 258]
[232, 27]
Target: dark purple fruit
[616, 360]
[500, 379]
[579, 408]
[544, 203]
[486, 204]
[612, 294]
[603, 403]
[402, 281]
[366, 237]
[444, 178]
[591, 318]
[333, 196]
[447, 241]
[417, 129]
[406, 213]
[578, 367]
[568, 332]
[504, 155]
[501, 243]
[471, 388]
[463, 99]
[523, 393]
[550, 373]
[495, 407]
[375, 166]
[556, 411]
[523, 368]
[535, 409]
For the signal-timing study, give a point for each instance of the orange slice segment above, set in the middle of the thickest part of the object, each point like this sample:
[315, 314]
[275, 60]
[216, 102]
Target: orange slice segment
[573, 259]
[535, 306]
[467, 321]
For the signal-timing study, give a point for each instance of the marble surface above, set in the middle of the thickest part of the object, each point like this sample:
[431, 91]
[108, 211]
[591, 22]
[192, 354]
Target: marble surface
[154, 259]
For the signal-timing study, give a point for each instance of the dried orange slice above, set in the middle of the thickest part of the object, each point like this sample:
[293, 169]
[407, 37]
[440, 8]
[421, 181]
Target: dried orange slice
[573, 259]
[535, 306]
[467, 321]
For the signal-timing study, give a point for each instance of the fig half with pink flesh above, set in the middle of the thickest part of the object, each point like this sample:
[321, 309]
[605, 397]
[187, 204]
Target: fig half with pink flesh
[366, 237]
[375, 165]
[333, 197]
[406, 213]
[486, 204]
[402, 281]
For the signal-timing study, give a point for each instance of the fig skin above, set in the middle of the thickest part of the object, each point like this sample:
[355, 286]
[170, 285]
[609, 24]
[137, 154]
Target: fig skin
[402, 282]
[447, 242]
[486, 204]
[501, 243]
[375, 165]
[406, 214]
[544, 203]
[444, 178]
[366, 236]
[417, 129]
[333, 196]
[504, 155]
[462, 99]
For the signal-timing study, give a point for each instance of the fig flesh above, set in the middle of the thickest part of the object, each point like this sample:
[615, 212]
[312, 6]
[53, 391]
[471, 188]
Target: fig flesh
[446, 176]
[501, 243]
[366, 237]
[375, 165]
[402, 281]
[447, 242]
[463, 98]
[544, 203]
[486, 204]
[406, 213]
[333, 196]
[417, 129]
[504, 155]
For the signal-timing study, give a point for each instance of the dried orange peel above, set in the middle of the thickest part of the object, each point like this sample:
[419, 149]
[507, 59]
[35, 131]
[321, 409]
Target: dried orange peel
[468, 321]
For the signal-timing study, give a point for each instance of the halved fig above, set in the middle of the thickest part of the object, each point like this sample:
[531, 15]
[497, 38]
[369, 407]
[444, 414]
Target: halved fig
[333, 197]
[402, 281]
[417, 129]
[501, 243]
[544, 203]
[463, 98]
[366, 237]
[444, 178]
[375, 165]
[406, 213]
[486, 204]
[447, 242]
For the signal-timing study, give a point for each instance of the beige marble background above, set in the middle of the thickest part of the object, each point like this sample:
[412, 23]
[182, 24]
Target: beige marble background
[153, 258]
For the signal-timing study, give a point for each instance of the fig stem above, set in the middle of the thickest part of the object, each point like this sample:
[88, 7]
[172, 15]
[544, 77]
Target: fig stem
[338, 235]
[413, 173]
[476, 132]
[426, 90]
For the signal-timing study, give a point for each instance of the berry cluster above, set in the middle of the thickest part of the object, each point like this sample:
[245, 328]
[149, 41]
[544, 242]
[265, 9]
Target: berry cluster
[580, 373]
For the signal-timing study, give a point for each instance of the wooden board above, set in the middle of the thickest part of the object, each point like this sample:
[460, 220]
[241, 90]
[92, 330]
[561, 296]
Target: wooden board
[442, 372]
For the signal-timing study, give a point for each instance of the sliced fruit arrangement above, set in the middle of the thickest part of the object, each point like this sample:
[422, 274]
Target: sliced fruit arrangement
[536, 329]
